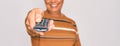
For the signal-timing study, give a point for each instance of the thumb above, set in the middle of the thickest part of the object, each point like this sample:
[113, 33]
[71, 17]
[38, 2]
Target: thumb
[51, 25]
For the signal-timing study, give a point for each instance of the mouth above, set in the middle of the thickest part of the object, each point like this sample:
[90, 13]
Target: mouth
[53, 5]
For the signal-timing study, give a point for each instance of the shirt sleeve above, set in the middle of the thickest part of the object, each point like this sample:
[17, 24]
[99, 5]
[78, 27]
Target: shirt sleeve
[77, 41]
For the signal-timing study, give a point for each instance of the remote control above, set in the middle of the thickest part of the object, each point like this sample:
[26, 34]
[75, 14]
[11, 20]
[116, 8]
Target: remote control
[42, 26]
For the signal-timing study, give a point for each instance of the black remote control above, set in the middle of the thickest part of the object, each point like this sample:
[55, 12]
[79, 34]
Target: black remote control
[42, 26]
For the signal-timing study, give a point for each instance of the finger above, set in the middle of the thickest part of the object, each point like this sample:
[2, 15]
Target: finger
[40, 33]
[27, 25]
[26, 22]
[38, 17]
[31, 20]
[51, 27]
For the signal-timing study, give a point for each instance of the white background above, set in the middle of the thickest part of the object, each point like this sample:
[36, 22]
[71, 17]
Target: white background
[98, 21]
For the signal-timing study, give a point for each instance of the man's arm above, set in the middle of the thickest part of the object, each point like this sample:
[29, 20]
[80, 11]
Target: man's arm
[33, 16]
[30, 31]
[77, 42]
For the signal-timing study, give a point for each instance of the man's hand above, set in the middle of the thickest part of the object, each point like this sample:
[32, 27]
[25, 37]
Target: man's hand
[34, 16]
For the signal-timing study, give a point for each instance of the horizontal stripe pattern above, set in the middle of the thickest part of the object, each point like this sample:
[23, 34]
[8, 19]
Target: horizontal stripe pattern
[66, 29]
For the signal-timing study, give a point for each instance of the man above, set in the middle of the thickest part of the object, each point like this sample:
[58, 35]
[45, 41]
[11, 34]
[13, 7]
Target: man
[57, 20]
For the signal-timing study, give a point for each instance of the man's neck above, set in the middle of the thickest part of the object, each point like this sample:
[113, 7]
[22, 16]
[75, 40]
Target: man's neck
[55, 14]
